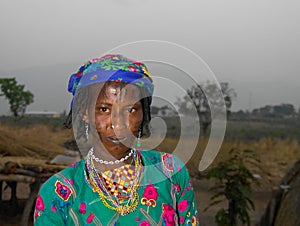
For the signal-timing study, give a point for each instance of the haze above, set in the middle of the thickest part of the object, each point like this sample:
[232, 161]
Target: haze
[253, 45]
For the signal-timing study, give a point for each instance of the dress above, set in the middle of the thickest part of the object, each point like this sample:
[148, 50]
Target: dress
[166, 197]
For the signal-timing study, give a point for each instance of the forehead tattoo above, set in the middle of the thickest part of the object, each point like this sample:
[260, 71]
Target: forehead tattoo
[119, 91]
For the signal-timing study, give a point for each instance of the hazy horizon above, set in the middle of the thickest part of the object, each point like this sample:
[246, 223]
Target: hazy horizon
[252, 45]
[50, 92]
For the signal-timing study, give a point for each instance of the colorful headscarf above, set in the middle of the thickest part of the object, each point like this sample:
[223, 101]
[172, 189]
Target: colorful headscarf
[115, 68]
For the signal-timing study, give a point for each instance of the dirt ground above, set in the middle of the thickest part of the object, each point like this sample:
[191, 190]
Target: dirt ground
[260, 198]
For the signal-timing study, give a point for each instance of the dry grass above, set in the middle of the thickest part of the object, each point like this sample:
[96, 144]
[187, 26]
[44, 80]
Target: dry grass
[276, 156]
[35, 141]
[45, 142]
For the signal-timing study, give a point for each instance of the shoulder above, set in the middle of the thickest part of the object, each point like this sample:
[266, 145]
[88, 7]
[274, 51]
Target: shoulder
[57, 194]
[63, 183]
[172, 168]
[168, 163]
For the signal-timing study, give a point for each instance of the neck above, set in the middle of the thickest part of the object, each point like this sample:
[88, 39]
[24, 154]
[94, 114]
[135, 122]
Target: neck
[106, 161]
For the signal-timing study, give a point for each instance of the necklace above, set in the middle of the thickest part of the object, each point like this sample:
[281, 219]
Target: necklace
[110, 162]
[105, 196]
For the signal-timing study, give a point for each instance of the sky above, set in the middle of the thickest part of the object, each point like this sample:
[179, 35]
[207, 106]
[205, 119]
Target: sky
[252, 44]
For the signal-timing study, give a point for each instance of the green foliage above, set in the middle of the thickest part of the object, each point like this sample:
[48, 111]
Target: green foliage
[233, 183]
[276, 111]
[18, 98]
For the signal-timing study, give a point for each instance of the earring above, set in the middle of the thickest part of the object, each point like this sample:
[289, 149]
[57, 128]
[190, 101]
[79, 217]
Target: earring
[86, 126]
[139, 143]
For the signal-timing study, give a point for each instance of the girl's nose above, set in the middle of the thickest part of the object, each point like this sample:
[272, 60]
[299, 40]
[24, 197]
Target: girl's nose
[119, 121]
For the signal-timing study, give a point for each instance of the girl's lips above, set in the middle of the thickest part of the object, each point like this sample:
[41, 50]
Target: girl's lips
[116, 140]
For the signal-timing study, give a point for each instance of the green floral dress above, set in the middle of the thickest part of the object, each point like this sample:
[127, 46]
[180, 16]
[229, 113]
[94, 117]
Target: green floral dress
[166, 197]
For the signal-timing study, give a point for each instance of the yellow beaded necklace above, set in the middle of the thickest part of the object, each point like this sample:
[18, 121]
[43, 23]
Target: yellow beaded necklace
[133, 201]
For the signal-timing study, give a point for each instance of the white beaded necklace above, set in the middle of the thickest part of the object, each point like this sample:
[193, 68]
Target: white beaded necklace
[110, 162]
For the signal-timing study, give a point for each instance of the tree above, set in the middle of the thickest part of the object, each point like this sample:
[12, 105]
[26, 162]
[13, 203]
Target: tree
[196, 96]
[284, 109]
[276, 111]
[18, 98]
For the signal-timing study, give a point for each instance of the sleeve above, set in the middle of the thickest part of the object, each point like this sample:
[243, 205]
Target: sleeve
[185, 197]
[52, 203]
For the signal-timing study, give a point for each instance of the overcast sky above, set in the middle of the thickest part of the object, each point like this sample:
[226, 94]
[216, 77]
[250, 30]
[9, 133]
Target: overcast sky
[252, 44]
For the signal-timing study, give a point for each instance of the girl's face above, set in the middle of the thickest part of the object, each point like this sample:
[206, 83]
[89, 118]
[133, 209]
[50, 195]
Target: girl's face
[118, 115]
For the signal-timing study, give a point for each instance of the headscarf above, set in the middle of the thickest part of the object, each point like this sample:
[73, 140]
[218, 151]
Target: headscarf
[111, 67]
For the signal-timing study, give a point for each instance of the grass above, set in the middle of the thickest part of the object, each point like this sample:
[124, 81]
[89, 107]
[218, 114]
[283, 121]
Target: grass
[253, 130]
[276, 156]
[45, 142]
[32, 141]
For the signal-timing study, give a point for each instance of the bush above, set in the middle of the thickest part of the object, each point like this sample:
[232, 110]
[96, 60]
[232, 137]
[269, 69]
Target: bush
[234, 181]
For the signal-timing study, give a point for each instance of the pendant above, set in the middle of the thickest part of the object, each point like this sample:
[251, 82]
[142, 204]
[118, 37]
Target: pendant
[124, 210]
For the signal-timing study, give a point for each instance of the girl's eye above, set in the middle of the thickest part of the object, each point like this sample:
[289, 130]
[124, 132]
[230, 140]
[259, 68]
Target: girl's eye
[131, 110]
[103, 109]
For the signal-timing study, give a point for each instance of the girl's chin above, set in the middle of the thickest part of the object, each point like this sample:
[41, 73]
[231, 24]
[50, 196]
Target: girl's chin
[117, 148]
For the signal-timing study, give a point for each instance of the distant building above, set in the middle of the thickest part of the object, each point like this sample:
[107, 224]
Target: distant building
[48, 114]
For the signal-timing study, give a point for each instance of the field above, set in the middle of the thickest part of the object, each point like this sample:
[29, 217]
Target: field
[43, 141]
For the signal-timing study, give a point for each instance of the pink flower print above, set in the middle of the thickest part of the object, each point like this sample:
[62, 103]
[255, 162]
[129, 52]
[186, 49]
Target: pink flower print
[144, 223]
[150, 192]
[189, 187]
[39, 205]
[177, 187]
[90, 218]
[82, 208]
[168, 215]
[53, 208]
[181, 220]
[37, 214]
[69, 181]
[149, 196]
[137, 219]
[183, 205]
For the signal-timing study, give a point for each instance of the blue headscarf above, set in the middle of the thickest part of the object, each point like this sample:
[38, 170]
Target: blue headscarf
[115, 68]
